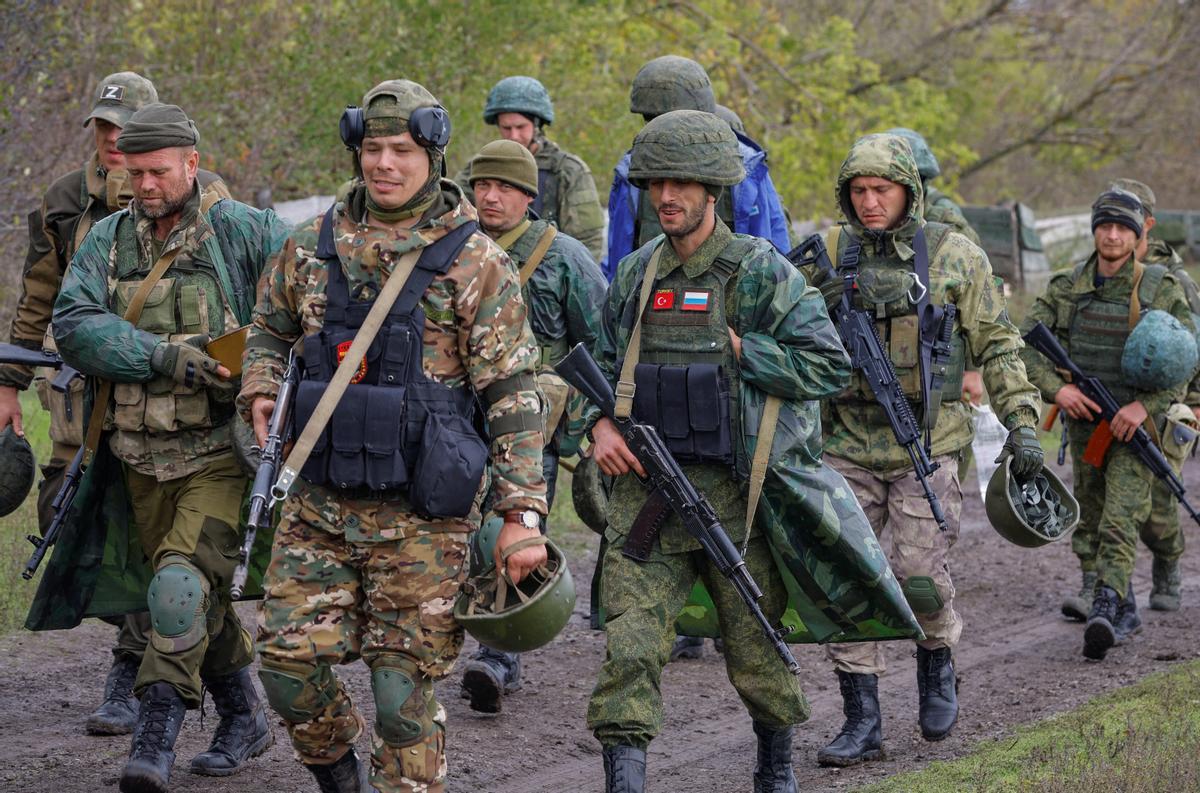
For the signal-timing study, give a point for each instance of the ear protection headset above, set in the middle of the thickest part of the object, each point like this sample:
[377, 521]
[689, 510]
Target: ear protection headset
[429, 127]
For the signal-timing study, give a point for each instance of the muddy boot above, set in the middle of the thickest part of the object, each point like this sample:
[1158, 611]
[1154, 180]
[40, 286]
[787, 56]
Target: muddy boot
[687, 648]
[488, 675]
[938, 693]
[861, 737]
[1166, 578]
[345, 775]
[243, 731]
[1100, 633]
[1128, 622]
[1076, 607]
[773, 772]
[118, 713]
[152, 753]
[624, 770]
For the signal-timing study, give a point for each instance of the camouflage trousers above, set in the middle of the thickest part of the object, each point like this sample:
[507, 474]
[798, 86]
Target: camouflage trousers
[331, 599]
[918, 549]
[1114, 506]
[194, 518]
[642, 599]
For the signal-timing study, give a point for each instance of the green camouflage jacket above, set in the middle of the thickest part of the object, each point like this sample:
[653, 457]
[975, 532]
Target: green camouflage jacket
[1062, 293]
[940, 208]
[476, 333]
[960, 274]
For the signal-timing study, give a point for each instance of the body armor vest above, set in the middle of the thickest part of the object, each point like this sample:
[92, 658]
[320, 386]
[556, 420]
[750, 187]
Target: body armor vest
[393, 425]
[184, 303]
[1098, 325]
[890, 294]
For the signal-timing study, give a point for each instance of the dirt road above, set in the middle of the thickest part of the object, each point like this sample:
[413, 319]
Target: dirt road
[1018, 661]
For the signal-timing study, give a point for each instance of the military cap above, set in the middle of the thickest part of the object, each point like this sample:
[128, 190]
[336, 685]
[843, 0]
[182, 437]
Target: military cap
[157, 126]
[671, 83]
[1119, 206]
[507, 161]
[119, 96]
[387, 106]
[519, 94]
[1139, 189]
[688, 145]
[927, 164]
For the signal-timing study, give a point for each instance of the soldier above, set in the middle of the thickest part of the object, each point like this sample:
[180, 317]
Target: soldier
[718, 298]
[359, 568]
[564, 290]
[146, 290]
[900, 262]
[521, 108]
[749, 207]
[1092, 309]
[72, 205]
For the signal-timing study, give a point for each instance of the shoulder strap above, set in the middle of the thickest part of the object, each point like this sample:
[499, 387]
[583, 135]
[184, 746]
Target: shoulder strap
[625, 388]
[762, 456]
[539, 253]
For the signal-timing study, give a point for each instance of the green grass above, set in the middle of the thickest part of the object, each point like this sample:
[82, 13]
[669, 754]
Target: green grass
[15, 592]
[1144, 738]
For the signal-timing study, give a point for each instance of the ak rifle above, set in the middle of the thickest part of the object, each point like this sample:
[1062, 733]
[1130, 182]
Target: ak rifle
[667, 483]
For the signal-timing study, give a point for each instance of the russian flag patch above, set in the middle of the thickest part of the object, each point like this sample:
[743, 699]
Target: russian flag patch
[695, 300]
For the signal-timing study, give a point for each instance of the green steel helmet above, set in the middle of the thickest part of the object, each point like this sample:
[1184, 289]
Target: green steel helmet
[731, 118]
[519, 94]
[1033, 513]
[1160, 353]
[927, 164]
[520, 618]
[688, 145]
[483, 545]
[17, 470]
[671, 83]
[589, 494]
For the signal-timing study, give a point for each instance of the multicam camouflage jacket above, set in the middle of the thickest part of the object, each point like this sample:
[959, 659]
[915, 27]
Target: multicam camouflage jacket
[476, 333]
[959, 273]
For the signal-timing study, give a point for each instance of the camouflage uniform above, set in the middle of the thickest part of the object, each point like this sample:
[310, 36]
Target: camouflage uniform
[1114, 499]
[940, 208]
[858, 439]
[354, 578]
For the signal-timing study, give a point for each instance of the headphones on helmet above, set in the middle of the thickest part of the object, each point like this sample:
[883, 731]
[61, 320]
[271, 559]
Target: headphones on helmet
[429, 127]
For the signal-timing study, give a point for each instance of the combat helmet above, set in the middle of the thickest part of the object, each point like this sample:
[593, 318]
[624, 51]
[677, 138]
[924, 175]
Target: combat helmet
[1032, 513]
[589, 494]
[688, 145]
[671, 83]
[731, 118]
[517, 618]
[1159, 353]
[17, 470]
[519, 94]
[927, 164]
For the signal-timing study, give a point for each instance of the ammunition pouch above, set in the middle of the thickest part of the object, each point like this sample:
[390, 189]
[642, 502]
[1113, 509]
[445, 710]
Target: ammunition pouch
[690, 408]
[1178, 433]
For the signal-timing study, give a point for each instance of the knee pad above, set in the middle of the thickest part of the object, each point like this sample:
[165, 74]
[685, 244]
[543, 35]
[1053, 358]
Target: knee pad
[922, 594]
[178, 601]
[401, 716]
[298, 692]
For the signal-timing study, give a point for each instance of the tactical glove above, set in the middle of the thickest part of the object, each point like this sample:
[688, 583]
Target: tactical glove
[831, 289]
[188, 365]
[1026, 452]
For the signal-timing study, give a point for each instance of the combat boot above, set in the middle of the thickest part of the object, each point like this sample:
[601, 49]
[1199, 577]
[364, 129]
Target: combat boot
[1166, 578]
[1100, 634]
[1128, 622]
[243, 731]
[773, 772]
[938, 692]
[624, 770]
[861, 737]
[345, 775]
[1076, 607]
[488, 675]
[118, 714]
[152, 752]
[687, 648]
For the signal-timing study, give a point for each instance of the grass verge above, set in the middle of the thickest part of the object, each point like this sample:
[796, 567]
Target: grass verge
[1141, 739]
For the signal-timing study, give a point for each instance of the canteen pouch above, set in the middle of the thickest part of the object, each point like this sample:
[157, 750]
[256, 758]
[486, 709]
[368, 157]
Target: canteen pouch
[449, 467]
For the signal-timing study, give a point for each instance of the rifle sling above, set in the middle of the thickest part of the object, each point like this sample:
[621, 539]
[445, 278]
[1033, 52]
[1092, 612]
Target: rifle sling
[633, 351]
[539, 253]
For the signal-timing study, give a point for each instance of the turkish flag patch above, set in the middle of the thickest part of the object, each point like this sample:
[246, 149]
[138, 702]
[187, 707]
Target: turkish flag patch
[344, 348]
[664, 299]
[695, 300]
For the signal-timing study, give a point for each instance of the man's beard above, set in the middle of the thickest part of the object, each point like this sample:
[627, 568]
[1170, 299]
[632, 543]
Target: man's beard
[692, 218]
[169, 204]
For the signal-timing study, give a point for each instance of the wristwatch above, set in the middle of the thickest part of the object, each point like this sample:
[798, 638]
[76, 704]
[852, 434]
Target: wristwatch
[526, 517]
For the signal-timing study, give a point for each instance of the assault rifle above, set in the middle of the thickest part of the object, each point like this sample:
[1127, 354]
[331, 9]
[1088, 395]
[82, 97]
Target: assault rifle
[264, 495]
[857, 331]
[21, 356]
[668, 484]
[1043, 340]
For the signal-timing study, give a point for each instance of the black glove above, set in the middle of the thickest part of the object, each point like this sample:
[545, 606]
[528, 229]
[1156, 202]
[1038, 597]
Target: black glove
[1026, 452]
[188, 365]
[832, 287]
